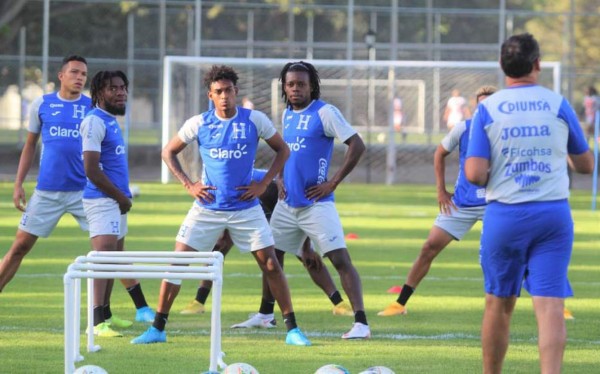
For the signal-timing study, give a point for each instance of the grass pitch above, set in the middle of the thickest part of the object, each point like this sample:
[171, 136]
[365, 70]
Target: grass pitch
[440, 334]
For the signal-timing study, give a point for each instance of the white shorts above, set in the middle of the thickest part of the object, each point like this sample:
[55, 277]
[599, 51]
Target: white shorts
[104, 217]
[45, 208]
[248, 228]
[320, 222]
[460, 221]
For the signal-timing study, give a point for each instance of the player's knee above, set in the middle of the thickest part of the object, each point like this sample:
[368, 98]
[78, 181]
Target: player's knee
[430, 250]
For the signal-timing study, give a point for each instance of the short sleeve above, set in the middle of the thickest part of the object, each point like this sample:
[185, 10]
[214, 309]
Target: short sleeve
[334, 123]
[93, 131]
[35, 125]
[452, 139]
[263, 124]
[189, 131]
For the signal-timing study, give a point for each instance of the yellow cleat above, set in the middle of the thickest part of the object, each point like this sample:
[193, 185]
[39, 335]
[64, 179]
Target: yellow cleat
[193, 307]
[115, 321]
[103, 330]
[568, 315]
[394, 309]
[343, 309]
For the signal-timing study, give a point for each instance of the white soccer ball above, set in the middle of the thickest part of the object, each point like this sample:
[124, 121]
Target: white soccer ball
[377, 370]
[90, 369]
[332, 369]
[240, 368]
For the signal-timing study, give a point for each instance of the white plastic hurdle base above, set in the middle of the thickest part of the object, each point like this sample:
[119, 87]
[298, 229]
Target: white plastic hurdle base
[137, 265]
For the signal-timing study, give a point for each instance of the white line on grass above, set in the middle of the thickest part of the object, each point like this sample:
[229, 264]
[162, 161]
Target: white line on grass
[312, 334]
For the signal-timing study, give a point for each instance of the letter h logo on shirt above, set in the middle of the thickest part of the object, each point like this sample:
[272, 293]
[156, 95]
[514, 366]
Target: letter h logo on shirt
[303, 122]
[78, 111]
[239, 128]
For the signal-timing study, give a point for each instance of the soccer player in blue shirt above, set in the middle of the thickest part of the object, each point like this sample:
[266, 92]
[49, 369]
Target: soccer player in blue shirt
[522, 140]
[55, 118]
[226, 197]
[106, 197]
[458, 211]
[306, 207]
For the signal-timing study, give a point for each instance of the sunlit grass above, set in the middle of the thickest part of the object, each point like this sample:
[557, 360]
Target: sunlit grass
[440, 334]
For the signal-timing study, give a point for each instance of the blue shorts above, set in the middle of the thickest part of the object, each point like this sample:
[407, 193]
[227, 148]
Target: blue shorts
[528, 245]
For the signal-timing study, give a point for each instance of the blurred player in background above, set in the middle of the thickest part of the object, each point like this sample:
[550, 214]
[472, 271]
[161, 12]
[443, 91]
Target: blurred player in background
[265, 317]
[106, 197]
[458, 211]
[456, 109]
[226, 197]
[306, 208]
[522, 139]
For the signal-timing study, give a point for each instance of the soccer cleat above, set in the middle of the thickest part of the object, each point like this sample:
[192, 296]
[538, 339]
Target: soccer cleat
[297, 337]
[152, 335]
[263, 321]
[115, 321]
[103, 330]
[144, 314]
[343, 309]
[567, 313]
[394, 309]
[358, 331]
[194, 307]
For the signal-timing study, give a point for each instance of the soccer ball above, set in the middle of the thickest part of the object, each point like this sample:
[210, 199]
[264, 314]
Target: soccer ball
[90, 369]
[377, 370]
[332, 369]
[135, 190]
[240, 368]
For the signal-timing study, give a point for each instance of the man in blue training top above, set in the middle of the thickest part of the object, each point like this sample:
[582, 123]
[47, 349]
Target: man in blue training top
[226, 197]
[458, 211]
[56, 118]
[306, 207]
[521, 142]
[106, 197]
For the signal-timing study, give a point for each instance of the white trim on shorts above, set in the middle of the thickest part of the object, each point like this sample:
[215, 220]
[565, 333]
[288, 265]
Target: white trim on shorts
[319, 221]
[248, 228]
[104, 217]
[460, 221]
[45, 208]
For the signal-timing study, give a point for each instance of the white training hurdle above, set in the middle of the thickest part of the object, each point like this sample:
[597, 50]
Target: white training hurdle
[137, 265]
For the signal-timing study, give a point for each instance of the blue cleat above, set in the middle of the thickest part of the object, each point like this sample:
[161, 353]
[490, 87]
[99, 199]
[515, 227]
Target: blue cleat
[144, 314]
[296, 337]
[152, 335]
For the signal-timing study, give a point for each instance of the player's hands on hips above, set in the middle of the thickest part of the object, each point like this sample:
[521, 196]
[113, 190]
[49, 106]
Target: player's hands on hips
[124, 204]
[201, 192]
[320, 190]
[19, 198]
[252, 191]
[445, 202]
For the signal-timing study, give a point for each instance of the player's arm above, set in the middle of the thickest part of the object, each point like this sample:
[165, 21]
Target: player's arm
[196, 189]
[282, 152]
[582, 163]
[25, 162]
[91, 164]
[439, 166]
[476, 170]
[356, 147]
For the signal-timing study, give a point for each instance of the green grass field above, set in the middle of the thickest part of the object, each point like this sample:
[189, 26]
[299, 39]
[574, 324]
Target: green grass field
[439, 335]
